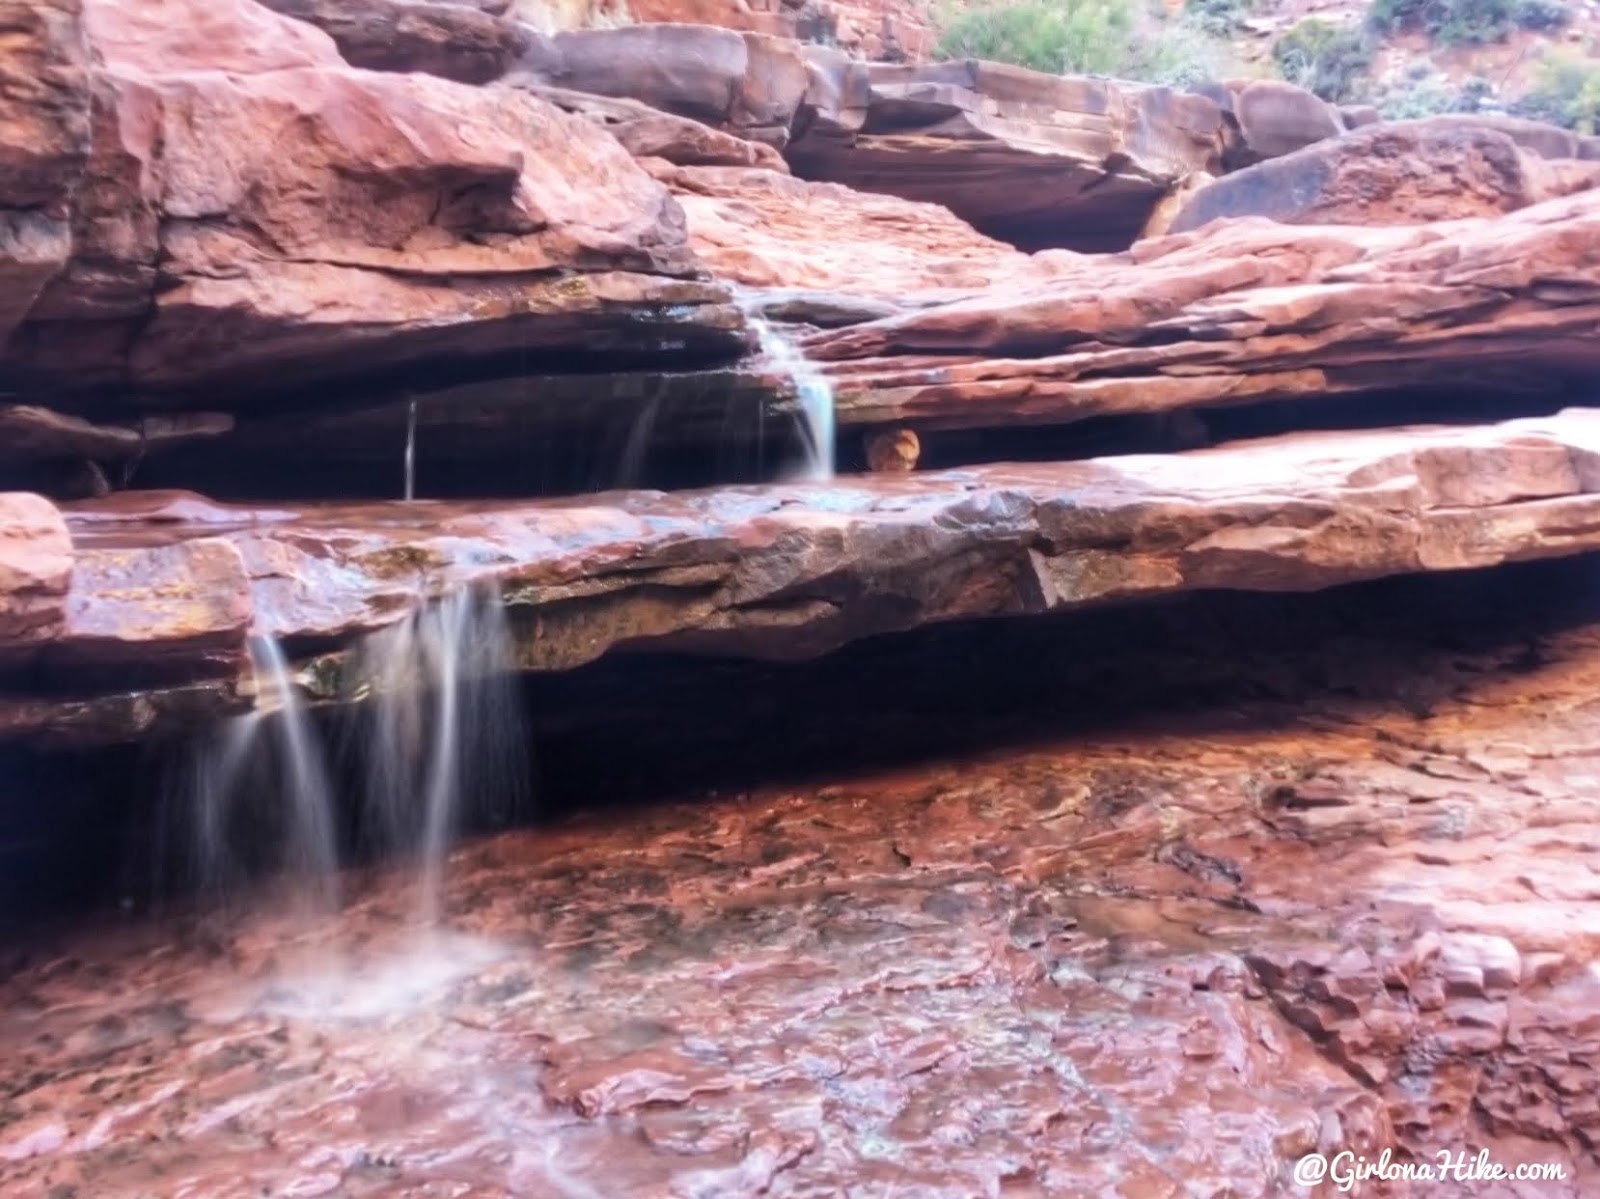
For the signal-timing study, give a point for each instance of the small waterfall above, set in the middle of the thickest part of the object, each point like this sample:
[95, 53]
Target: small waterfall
[274, 748]
[441, 725]
[411, 451]
[812, 387]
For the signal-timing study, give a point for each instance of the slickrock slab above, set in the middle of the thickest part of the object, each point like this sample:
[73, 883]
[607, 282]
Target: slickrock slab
[1240, 312]
[762, 229]
[255, 213]
[793, 571]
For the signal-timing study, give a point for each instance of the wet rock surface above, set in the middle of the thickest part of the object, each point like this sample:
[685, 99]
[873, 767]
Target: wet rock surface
[1230, 884]
[791, 571]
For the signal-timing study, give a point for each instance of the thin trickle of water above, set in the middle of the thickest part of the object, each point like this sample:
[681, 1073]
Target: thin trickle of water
[274, 747]
[813, 388]
[411, 451]
[631, 469]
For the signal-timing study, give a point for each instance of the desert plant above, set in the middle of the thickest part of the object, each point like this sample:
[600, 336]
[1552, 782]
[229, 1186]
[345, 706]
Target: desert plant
[1326, 58]
[1088, 37]
[1433, 95]
[1465, 22]
[1543, 15]
[1219, 18]
[1566, 92]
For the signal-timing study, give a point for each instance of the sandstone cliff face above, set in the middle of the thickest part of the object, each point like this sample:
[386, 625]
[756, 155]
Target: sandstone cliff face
[299, 212]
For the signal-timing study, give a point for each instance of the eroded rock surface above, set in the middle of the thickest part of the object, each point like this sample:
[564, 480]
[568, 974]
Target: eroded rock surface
[1399, 173]
[1035, 159]
[252, 201]
[456, 40]
[1242, 312]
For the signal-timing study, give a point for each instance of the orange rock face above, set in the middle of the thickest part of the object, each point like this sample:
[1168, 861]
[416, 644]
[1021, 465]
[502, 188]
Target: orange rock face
[299, 212]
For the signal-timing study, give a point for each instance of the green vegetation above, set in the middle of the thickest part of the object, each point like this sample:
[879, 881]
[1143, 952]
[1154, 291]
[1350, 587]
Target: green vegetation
[1326, 58]
[1466, 22]
[1090, 37]
[1566, 92]
[1219, 18]
[1432, 94]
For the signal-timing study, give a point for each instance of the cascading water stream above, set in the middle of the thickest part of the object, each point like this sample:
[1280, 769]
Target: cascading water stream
[440, 726]
[812, 387]
[276, 742]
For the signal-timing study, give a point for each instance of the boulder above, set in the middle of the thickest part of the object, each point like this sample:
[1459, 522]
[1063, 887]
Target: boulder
[1037, 160]
[251, 201]
[1397, 173]
[744, 83]
[450, 39]
[1277, 118]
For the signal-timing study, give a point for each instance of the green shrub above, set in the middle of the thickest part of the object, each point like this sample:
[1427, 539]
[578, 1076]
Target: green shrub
[1081, 37]
[1326, 58]
[1566, 92]
[1088, 37]
[1222, 18]
[1542, 15]
[1431, 96]
[1465, 22]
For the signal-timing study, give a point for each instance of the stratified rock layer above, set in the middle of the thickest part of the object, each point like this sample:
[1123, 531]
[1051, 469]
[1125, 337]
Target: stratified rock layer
[793, 571]
[1242, 312]
[252, 202]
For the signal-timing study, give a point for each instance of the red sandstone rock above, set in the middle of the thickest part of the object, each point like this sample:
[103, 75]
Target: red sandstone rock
[1241, 312]
[35, 564]
[1400, 173]
[796, 570]
[747, 84]
[647, 132]
[1036, 159]
[453, 40]
[300, 213]
[44, 134]
[763, 229]
[1330, 891]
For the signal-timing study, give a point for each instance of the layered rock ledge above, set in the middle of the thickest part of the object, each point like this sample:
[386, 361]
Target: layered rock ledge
[165, 590]
[1241, 312]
